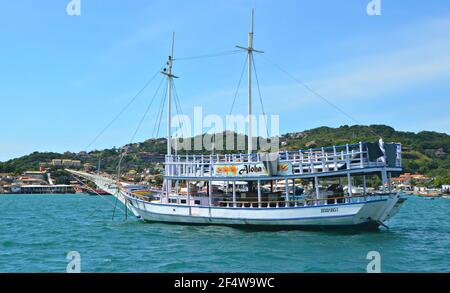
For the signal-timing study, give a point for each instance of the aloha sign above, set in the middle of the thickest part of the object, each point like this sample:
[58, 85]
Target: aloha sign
[240, 170]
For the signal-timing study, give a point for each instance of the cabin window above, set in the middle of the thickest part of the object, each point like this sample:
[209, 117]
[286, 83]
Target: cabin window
[172, 200]
[183, 201]
[197, 202]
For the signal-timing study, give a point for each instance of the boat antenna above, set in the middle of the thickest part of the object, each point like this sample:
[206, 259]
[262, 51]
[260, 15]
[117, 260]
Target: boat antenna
[250, 51]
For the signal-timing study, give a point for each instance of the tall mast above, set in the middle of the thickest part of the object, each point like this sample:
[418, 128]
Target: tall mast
[250, 51]
[168, 72]
[250, 48]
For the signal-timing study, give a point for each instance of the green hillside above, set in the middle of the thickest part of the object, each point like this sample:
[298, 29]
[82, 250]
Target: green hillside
[425, 152]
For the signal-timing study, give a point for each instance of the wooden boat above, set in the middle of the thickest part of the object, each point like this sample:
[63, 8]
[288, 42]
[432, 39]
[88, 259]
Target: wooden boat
[182, 201]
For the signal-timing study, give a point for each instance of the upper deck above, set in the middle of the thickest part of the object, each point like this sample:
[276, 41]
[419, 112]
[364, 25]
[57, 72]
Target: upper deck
[360, 158]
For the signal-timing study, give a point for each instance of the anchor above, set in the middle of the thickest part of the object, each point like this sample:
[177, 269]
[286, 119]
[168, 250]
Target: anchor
[379, 223]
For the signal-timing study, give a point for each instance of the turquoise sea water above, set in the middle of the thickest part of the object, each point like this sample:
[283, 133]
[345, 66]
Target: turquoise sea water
[37, 232]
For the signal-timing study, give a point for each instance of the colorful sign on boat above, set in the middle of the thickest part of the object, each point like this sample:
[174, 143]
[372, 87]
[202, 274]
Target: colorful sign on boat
[284, 169]
[240, 170]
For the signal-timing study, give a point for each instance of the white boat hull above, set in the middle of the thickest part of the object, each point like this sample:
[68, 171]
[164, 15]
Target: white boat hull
[370, 213]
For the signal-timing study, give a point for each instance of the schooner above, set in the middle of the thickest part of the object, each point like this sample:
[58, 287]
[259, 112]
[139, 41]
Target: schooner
[261, 190]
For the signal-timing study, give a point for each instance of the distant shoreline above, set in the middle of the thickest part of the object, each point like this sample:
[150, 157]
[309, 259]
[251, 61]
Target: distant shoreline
[65, 193]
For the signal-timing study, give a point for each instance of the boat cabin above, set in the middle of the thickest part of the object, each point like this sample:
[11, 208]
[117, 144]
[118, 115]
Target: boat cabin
[266, 180]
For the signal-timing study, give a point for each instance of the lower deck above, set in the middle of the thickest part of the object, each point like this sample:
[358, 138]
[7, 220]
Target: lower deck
[354, 211]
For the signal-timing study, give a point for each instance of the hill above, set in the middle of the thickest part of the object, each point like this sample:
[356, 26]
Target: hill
[426, 152]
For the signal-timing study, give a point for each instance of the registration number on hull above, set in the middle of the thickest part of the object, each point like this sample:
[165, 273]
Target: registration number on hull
[329, 210]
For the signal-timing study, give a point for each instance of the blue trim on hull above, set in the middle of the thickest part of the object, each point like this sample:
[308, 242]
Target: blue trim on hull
[249, 219]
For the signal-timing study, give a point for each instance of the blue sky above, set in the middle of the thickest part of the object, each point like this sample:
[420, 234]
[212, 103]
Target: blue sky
[63, 78]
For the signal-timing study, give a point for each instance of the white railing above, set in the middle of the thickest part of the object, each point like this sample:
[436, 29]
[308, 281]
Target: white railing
[304, 202]
[331, 159]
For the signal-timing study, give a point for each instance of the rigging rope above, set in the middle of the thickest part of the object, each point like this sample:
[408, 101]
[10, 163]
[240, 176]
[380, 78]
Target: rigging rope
[260, 98]
[179, 112]
[123, 109]
[178, 105]
[124, 149]
[239, 85]
[146, 111]
[114, 210]
[160, 115]
[224, 53]
[308, 88]
[93, 190]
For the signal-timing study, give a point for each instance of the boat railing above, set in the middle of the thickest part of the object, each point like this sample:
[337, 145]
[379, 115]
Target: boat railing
[330, 159]
[303, 202]
[289, 203]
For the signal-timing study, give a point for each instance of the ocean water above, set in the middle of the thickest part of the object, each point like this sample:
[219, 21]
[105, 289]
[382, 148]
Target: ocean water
[38, 231]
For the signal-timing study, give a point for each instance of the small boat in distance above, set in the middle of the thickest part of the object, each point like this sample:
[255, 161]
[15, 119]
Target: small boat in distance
[97, 191]
[429, 194]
